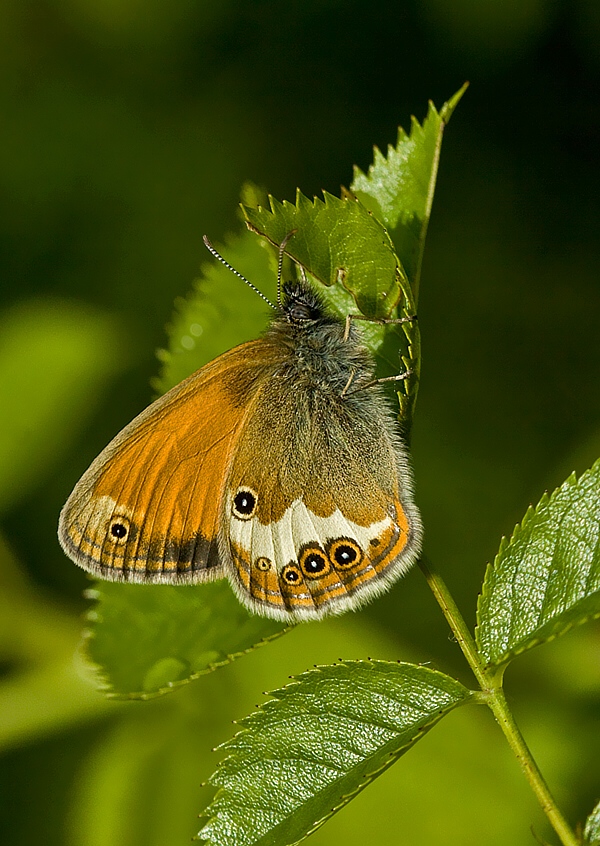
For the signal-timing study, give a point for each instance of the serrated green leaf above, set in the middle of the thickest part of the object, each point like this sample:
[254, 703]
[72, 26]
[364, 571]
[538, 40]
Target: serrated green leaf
[149, 639]
[343, 247]
[591, 832]
[398, 189]
[337, 240]
[546, 579]
[320, 741]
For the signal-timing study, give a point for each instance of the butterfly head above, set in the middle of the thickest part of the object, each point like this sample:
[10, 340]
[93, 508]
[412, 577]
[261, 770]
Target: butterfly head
[301, 305]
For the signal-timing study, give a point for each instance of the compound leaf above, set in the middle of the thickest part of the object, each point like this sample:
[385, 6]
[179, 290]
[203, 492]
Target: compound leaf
[176, 633]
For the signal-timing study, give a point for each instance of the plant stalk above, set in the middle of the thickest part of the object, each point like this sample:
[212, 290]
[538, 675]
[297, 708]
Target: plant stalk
[491, 685]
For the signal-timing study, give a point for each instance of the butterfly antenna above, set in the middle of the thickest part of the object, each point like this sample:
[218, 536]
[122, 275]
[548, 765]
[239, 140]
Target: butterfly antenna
[282, 247]
[218, 256]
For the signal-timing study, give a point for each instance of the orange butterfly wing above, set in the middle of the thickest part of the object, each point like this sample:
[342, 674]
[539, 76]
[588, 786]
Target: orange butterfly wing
[148, 508]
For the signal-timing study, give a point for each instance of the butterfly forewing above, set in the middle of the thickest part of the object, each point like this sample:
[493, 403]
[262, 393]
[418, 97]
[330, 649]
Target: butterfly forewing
[148, 508]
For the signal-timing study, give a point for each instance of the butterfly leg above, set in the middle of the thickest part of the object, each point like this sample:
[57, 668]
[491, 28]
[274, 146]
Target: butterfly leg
[399, 378]
[385, 321]
[348, 383]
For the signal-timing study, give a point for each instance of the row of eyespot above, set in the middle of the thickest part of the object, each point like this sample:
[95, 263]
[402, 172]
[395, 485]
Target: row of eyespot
[342, 553]
[243, 507]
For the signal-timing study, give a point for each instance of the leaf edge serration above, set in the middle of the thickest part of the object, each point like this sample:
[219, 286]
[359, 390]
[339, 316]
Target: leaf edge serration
[551, 629]
[101, 677]
[275, 696]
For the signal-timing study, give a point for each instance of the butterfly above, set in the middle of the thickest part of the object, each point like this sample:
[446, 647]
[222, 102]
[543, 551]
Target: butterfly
[278, 465]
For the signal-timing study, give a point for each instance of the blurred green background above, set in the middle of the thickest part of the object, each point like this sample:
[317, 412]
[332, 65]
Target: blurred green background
[128, 128]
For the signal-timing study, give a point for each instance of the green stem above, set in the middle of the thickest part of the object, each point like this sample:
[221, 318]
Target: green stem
[491, 684]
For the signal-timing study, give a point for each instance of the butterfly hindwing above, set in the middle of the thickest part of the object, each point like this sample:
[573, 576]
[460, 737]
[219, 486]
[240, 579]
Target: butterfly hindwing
[322, 519]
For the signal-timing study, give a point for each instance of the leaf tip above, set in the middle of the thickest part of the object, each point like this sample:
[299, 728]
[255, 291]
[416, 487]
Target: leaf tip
[450, 105]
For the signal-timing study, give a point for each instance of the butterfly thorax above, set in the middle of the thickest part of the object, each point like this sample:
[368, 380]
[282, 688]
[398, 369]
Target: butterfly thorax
[314, 351]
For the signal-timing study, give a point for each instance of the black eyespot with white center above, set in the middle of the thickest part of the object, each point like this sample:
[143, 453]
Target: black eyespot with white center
[313, 562]
[345, 556]
[244, 504]
[291, 575]
[344, 553]
[118, 530]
